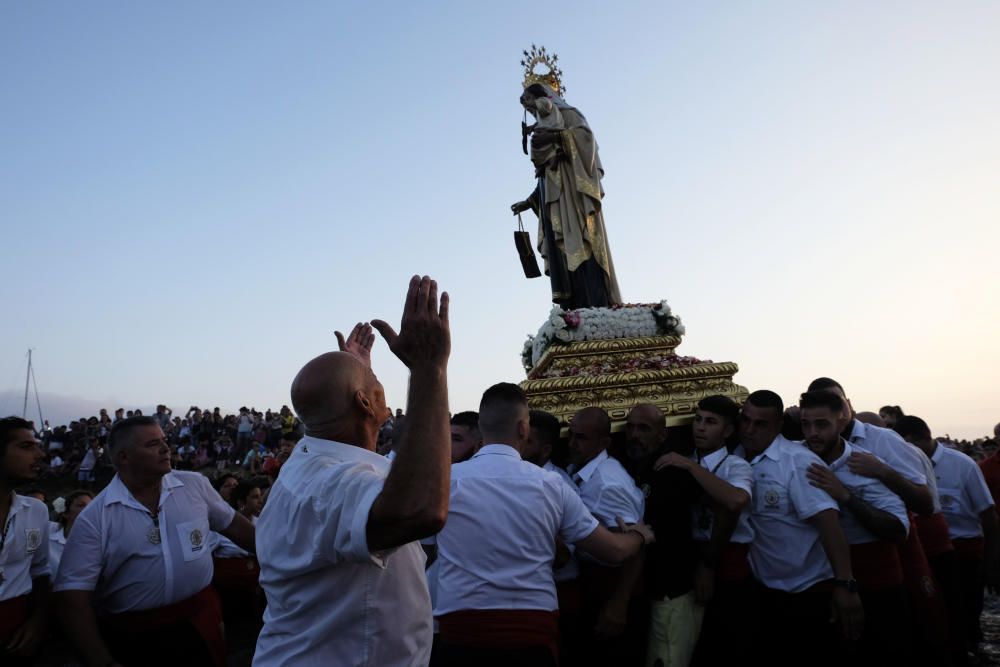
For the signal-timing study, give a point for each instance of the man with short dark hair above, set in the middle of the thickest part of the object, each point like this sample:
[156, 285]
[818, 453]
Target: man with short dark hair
[138, 555]
[799, 552]
[542, 442]
[496, 600]
[874, 520]
[968, 508]
[465, 436]
[24, 546]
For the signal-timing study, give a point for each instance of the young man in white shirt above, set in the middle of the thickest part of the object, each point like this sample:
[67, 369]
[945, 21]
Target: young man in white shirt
[968, 508]
[874, 520]
[724, 587]
[138, 555]
[338, 538]
[24, 546]
[799, 553]
[496, 600]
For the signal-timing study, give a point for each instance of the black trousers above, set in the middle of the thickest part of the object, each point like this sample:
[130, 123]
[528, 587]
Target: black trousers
[730, 624]
[169, 646]
[453, 655]
[945, 567]
[797, 630]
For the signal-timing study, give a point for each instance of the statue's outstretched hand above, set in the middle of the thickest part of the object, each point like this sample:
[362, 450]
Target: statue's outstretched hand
[520, 207]
[424, 338]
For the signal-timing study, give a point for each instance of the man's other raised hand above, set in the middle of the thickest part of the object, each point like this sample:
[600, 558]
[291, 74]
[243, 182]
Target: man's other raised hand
[424, 338]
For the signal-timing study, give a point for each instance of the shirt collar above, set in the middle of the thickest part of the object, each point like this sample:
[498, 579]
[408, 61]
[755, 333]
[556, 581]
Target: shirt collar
[342, 452]
[16, 503]
[938, 453]
[117, 492]
[842, 459]
[586, 471]
[713, 459]
[858, 430]
[773, 450]
[501, 449]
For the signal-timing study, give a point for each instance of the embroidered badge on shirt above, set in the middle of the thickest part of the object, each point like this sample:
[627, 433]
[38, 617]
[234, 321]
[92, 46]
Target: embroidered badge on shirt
[33, 539]
[197, 540]
[771, 498]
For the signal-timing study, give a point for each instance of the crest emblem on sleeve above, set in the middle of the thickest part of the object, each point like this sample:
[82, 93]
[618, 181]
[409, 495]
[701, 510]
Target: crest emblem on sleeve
[33, 539]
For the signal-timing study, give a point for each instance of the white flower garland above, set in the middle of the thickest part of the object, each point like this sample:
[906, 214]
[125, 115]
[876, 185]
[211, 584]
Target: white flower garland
[627, 321]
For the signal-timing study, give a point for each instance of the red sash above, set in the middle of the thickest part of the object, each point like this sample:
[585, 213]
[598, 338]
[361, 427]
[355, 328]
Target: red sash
[876, 565]
[236, 573]
[970, 547]
[202, 609]
[13, 614]
[506, 628]
[933, 533]
[734, 563]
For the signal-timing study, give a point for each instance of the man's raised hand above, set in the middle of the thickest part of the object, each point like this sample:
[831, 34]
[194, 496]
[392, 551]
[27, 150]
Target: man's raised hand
[424, 338]
[359, 342]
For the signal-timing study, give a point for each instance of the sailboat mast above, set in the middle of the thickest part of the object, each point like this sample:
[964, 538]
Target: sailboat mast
[27, 379]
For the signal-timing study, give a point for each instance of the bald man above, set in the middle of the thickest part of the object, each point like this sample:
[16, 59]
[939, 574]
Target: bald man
[337, 541]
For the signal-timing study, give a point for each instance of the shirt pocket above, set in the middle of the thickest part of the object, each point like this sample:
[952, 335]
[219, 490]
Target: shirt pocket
[771, 498]
[951, 499]
[193, 536]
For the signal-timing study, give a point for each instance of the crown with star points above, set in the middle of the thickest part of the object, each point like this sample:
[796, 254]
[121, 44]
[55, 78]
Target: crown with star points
[551, 77]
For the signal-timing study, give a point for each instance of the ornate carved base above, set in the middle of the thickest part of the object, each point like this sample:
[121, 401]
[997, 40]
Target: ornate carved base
[621, 373]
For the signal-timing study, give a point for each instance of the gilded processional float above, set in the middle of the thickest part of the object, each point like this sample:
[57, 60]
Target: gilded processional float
[594, 349]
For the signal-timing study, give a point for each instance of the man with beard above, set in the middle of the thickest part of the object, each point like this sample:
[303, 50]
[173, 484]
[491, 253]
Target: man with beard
[799, 553]
[24, 546]
[874, 520]
[723, 585]
[670, 567]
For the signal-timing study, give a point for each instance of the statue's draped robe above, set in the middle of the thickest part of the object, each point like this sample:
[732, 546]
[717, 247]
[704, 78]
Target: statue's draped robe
[582, 273]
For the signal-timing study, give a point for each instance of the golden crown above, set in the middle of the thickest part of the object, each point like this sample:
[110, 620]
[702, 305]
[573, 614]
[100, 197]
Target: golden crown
[551, 77]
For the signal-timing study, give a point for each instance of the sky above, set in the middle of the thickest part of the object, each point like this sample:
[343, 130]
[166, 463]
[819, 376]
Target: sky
[194, 196]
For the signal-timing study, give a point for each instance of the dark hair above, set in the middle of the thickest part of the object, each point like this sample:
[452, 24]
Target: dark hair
[893, 410]
[765, 398]
[503, 391]
[821, 398]
[221, 479]
[7, 427]
[468, 419]
[909, 426]
[122, 428]
[537, 89]
[721, 405]
[547, 425]
[79, 493]
[824, 383]
[242, 490]
[291, 436]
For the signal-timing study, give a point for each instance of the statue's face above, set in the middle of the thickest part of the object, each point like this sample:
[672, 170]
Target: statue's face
[528, 100]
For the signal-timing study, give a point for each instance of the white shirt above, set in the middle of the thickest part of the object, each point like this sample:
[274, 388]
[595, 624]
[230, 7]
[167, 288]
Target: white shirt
[735, 470]
[25, 554]
[331, 601]
[571, 570]
[869, 490]
[57, 542]
[890, 447]
[497, 547]
[89, 460]
[786, 553]
[109, 550]
[964, 494]
[609, 491]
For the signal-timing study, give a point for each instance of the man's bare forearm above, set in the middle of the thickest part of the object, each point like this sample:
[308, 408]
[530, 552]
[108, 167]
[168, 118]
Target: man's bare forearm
[834, 542]
[916, 498]
[414, 501]
[884, 525]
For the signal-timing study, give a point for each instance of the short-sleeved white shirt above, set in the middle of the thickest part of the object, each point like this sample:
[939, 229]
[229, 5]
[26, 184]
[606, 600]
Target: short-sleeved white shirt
[609, 491]
[735, 470]
[869, 490]
[25, 554]
[571, 569]
[331, 601]
[497, 547]
[886, 444]
[109, 551]
[57, 542]
[786, 553]
[963, 490]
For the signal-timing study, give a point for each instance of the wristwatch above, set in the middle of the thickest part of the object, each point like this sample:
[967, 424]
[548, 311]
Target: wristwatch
[850, 585]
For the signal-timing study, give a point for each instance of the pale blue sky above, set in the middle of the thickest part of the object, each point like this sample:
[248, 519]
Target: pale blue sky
[195, 195]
